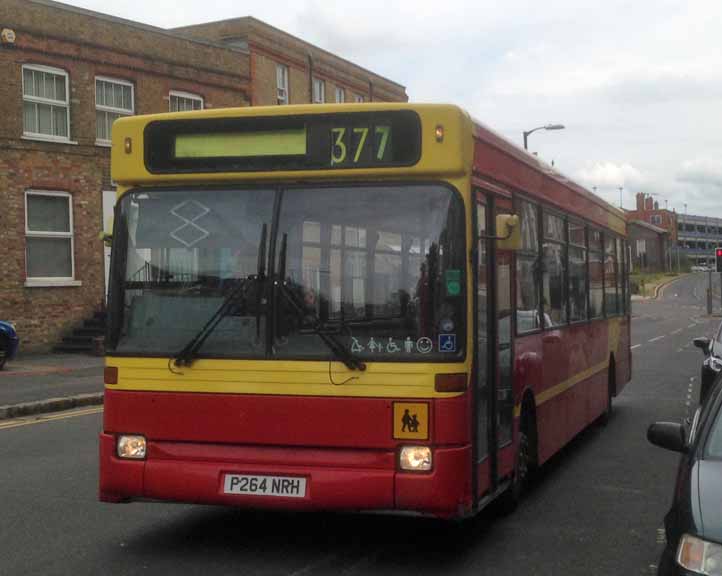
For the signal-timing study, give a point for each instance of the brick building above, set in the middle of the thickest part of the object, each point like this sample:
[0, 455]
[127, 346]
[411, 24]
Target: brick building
[68, 73]
[286, 70]
[647, 210]
[650, 247]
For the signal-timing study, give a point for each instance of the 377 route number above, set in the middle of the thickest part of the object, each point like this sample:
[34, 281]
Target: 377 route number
[361, 144]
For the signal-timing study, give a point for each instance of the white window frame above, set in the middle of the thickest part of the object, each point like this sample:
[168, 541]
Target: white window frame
[340, 95]
[185, 95]
[319, 91]
[45, 281]
[359, 99]
[282, 94]
[39, 100]
[111, 109]
[656, 219]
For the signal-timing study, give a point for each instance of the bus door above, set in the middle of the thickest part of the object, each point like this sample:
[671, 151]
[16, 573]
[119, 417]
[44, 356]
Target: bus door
[493, 395]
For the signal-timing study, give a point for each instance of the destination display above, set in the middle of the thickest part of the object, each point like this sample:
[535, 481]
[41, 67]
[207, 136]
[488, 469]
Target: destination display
[299, 142]
[241, 144]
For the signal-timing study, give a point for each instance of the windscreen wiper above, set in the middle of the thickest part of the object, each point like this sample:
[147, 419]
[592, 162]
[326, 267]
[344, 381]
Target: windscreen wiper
[319, 328]
[236, 299]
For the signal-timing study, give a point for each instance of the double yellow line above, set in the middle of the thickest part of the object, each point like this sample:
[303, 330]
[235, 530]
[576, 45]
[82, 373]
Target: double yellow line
[43, 418]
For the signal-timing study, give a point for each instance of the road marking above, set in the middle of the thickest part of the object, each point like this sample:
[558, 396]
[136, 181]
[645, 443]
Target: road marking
[314, 565]
[42, 418]
[635, 346]
[657, 338]
[691, 325]
[676, 332]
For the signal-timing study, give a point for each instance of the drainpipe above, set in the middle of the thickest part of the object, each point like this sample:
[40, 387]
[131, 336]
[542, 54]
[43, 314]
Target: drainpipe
[310, 78]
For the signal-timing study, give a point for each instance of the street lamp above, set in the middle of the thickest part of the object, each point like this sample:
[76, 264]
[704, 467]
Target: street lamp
[547, 127]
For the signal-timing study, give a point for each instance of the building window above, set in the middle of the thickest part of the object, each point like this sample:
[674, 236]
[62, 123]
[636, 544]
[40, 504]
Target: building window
[49, 236]
[113, 99]
[319, 91]
[281, 84]
[185, 102]
[340, 95]
[46, 108]
[358, 99]
[656, 219]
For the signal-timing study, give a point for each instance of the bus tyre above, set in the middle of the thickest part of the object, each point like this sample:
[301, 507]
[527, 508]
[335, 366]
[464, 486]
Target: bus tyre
[522, 467]
[611, 386]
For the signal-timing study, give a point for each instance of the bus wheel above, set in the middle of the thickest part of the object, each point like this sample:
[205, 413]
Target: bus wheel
[523, 464]
[611, 387]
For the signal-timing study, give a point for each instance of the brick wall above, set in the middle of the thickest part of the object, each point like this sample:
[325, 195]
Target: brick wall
[270, 46]
[42, 314]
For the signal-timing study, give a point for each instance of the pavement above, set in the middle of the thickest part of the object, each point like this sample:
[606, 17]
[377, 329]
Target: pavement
[39, 383]
[657, 288]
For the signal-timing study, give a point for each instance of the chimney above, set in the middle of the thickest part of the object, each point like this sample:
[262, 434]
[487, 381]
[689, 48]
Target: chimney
[640, 201]
[656, 205]
[649, 203]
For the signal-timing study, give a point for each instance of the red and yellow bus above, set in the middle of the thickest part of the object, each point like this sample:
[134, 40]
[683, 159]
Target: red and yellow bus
[356, 307]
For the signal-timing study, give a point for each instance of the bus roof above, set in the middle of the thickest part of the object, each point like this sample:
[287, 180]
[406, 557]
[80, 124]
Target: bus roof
[535, 177]
[448, 154]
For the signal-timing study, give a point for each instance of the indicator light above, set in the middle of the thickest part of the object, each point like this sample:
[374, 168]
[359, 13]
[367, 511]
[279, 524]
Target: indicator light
[439, 133]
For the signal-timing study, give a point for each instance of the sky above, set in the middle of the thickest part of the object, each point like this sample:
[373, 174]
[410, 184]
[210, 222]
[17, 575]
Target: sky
[637, 85]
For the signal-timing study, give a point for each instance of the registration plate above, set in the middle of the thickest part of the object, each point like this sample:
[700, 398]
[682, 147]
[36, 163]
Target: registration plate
[285, 486]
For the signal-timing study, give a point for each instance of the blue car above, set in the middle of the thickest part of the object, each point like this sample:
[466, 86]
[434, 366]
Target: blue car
[8, 342]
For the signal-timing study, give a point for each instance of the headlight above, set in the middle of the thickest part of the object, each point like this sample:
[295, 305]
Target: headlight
[415, 458]
[700, 556]
[132, 447]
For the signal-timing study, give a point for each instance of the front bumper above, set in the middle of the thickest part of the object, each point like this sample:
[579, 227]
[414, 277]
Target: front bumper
[336, 479]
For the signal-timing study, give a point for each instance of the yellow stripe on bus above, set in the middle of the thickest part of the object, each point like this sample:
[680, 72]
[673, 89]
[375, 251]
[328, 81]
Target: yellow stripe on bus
[565, 385]
[295, 378]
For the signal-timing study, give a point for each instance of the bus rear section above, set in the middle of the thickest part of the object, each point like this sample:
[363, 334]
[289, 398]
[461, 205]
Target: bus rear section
[296, 346]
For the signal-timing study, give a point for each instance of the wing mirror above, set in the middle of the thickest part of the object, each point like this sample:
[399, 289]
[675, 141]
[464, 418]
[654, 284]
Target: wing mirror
[669, 435]
[106, 235]
[703, 343]
[508, 232]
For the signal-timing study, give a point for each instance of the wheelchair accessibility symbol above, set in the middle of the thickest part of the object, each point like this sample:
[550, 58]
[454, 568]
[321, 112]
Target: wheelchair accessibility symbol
[447, 342]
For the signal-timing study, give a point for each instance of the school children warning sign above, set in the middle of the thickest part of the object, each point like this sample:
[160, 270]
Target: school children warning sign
[411, 420]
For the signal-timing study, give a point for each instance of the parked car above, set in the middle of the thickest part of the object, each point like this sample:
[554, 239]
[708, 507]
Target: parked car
[694, 522]
[8, 342]
[712, 363]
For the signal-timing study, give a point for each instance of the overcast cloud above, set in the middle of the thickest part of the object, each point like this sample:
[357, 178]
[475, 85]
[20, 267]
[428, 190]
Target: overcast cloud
[638, 85]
